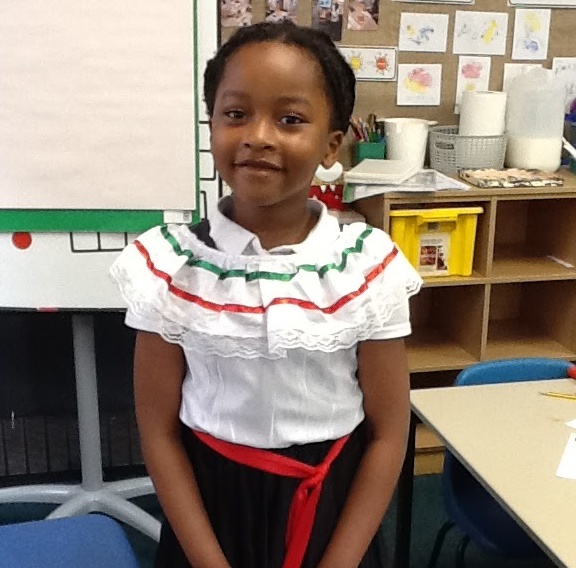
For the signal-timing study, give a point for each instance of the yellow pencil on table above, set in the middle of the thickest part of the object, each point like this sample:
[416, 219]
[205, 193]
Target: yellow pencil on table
[559, 395]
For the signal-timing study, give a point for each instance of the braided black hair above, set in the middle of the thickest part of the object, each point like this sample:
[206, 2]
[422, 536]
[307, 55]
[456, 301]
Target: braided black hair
[340, 82]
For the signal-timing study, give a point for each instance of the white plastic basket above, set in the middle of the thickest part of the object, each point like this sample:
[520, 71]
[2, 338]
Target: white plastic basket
[451, 152]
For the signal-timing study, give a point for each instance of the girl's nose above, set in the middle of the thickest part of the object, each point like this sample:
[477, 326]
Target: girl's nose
[259, 134]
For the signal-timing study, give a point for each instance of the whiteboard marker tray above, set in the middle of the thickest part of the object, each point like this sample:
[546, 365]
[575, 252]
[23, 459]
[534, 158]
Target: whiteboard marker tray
[388, 172]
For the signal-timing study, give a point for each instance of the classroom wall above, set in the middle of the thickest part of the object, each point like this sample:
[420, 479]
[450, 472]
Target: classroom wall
[380, 97]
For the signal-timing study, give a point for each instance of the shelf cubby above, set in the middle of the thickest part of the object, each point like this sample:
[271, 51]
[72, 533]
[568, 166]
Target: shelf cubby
[530, 319]
[447, 327]
[533, 240]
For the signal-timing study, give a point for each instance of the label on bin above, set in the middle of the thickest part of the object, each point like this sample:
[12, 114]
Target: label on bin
[434, 253]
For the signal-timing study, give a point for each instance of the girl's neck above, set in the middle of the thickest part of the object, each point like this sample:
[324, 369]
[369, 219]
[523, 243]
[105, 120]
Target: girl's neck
[275, 226]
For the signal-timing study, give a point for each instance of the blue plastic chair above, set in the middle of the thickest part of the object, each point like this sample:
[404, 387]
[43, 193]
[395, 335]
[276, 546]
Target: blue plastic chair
[468, 505]
[87, 541]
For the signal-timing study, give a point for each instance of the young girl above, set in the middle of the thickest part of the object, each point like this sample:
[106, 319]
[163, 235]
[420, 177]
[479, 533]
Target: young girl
[271, 381]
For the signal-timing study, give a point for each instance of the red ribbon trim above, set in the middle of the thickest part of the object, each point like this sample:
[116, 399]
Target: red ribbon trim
[240, 308]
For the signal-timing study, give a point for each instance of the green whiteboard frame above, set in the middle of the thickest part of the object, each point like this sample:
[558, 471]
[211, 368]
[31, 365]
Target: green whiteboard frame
[103, 220]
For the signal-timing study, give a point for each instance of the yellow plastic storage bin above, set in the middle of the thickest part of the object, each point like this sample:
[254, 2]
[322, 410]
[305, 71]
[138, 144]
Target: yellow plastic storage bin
[437, 242]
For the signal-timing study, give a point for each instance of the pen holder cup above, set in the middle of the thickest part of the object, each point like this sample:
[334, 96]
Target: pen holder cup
[375, 150]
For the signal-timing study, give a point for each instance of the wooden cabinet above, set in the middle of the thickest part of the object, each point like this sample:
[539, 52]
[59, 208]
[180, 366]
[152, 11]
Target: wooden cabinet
[520, 299]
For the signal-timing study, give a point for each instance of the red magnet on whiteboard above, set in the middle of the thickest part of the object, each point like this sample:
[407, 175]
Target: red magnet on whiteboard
[22, 241]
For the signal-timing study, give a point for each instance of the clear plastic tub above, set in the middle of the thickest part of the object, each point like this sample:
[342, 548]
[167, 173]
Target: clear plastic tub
[535, 121]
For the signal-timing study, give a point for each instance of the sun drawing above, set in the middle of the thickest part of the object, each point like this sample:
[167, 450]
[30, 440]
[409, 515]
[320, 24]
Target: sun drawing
[356, 62]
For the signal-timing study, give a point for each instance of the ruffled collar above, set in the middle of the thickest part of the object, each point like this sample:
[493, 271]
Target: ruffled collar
[213, 302]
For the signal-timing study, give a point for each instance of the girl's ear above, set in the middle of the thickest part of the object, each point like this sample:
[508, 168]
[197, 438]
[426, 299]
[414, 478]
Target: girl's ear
[333, 148]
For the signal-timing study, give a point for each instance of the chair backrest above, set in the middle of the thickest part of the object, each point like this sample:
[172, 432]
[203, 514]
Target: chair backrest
[513, 370]
[87, 541]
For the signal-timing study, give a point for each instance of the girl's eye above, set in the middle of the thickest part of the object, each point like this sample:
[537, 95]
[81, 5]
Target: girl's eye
[235, 114]
[291, 119]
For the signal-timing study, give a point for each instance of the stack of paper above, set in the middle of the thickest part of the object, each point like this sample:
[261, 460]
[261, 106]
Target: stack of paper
[380, 172]
[422, 181]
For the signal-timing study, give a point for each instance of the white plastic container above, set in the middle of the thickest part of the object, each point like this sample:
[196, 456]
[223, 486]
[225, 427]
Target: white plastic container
[407, 139]
[535, 121]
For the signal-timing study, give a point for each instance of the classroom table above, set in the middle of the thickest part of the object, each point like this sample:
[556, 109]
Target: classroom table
[511, 438]
[93, 494]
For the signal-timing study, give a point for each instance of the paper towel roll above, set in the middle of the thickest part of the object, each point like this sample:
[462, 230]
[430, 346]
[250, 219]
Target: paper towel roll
[482, 113]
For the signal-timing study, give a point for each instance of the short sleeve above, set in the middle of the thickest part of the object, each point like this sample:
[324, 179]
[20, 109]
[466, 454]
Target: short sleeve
[141, 271]
[391, 292]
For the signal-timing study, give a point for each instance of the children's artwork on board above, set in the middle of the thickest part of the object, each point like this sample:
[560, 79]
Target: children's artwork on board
[423, 32]
[544, 3]
[531, 33]
[281, 10]
[473, 75]
[480, 33]
[419, 84]
[371, 63]
[512, 70]
[363, 15]
[565, 69]
[235, 13]
[438, 1]
[327, 16]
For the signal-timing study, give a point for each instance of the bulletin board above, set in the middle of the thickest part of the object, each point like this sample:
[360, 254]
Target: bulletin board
[98, 114]
[380, 97]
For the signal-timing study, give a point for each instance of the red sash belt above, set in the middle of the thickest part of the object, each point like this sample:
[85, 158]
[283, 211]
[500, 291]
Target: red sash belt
[305, 500]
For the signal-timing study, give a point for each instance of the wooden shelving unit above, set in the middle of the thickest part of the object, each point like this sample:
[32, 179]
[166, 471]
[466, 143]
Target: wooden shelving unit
[520, 299]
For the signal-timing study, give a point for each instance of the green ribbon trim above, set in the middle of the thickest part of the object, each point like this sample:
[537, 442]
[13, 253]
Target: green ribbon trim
[264, 274]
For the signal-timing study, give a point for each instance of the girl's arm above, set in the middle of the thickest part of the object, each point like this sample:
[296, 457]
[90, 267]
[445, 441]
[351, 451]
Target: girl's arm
[159, 369]
[385, 383]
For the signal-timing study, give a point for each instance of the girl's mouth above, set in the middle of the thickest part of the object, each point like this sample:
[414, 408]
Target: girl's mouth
[258, 165]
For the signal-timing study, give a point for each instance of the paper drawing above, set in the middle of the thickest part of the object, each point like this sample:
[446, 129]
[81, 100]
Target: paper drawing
[480, 33]
[327, 16]
[512, 70]
[423, 32]
[473, 75]
[565, 69]
[531, 33]
[439, 1]
[419, 84]
[363, 15]
[235, 13]
[281, 10]
[543, 3]
[371, 63]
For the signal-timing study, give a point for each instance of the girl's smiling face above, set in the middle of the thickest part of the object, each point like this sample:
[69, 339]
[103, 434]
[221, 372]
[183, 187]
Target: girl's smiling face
[271, 124]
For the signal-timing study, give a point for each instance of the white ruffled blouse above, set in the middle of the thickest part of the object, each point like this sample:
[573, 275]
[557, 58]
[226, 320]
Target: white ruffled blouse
[269, 336]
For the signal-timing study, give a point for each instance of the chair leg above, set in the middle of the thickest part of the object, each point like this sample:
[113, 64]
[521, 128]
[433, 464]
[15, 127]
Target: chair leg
[461, 551]
[439, 542]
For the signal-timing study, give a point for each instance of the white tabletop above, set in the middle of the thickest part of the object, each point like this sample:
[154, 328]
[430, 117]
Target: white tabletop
[512, 439]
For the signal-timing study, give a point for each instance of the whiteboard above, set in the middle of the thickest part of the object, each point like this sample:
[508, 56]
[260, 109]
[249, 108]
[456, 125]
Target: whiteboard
[68, 268]
[97, 105]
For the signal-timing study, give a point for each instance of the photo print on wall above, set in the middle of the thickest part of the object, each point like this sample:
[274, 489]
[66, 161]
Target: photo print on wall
[327, 15]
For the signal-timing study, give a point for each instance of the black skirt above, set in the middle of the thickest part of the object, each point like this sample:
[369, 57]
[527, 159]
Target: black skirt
[248, 508]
